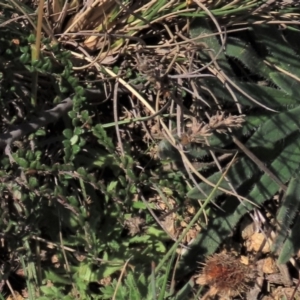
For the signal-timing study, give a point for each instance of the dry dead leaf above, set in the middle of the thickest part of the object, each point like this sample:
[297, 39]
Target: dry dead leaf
[191, 210]
[257, 242]
[134, 225]
[168, 223]
[267, 265]
[245, 260]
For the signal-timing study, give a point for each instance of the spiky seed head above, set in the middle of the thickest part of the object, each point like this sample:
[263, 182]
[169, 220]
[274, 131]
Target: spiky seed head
[225, 275]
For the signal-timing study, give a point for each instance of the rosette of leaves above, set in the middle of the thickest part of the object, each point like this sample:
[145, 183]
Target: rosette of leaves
[262, 65]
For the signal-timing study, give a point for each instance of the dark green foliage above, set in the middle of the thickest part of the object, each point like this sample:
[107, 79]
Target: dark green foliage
[263, 189]
[291, 245]
[238, 174]
[289, 208]
[68, 185]
[272, 136]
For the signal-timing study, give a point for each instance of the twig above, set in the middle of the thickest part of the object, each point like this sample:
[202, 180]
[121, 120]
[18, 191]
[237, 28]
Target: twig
[49, 116]
[11, 289]
[120, 278]
[115, 109]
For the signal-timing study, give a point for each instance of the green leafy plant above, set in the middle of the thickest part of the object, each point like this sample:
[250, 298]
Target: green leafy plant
[81, 190]
[271, 136]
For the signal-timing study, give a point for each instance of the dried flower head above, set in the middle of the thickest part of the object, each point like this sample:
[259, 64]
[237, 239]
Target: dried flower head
[225, 275]
[134, 224]
[221, 123]
[197, 131]
[217, 123]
